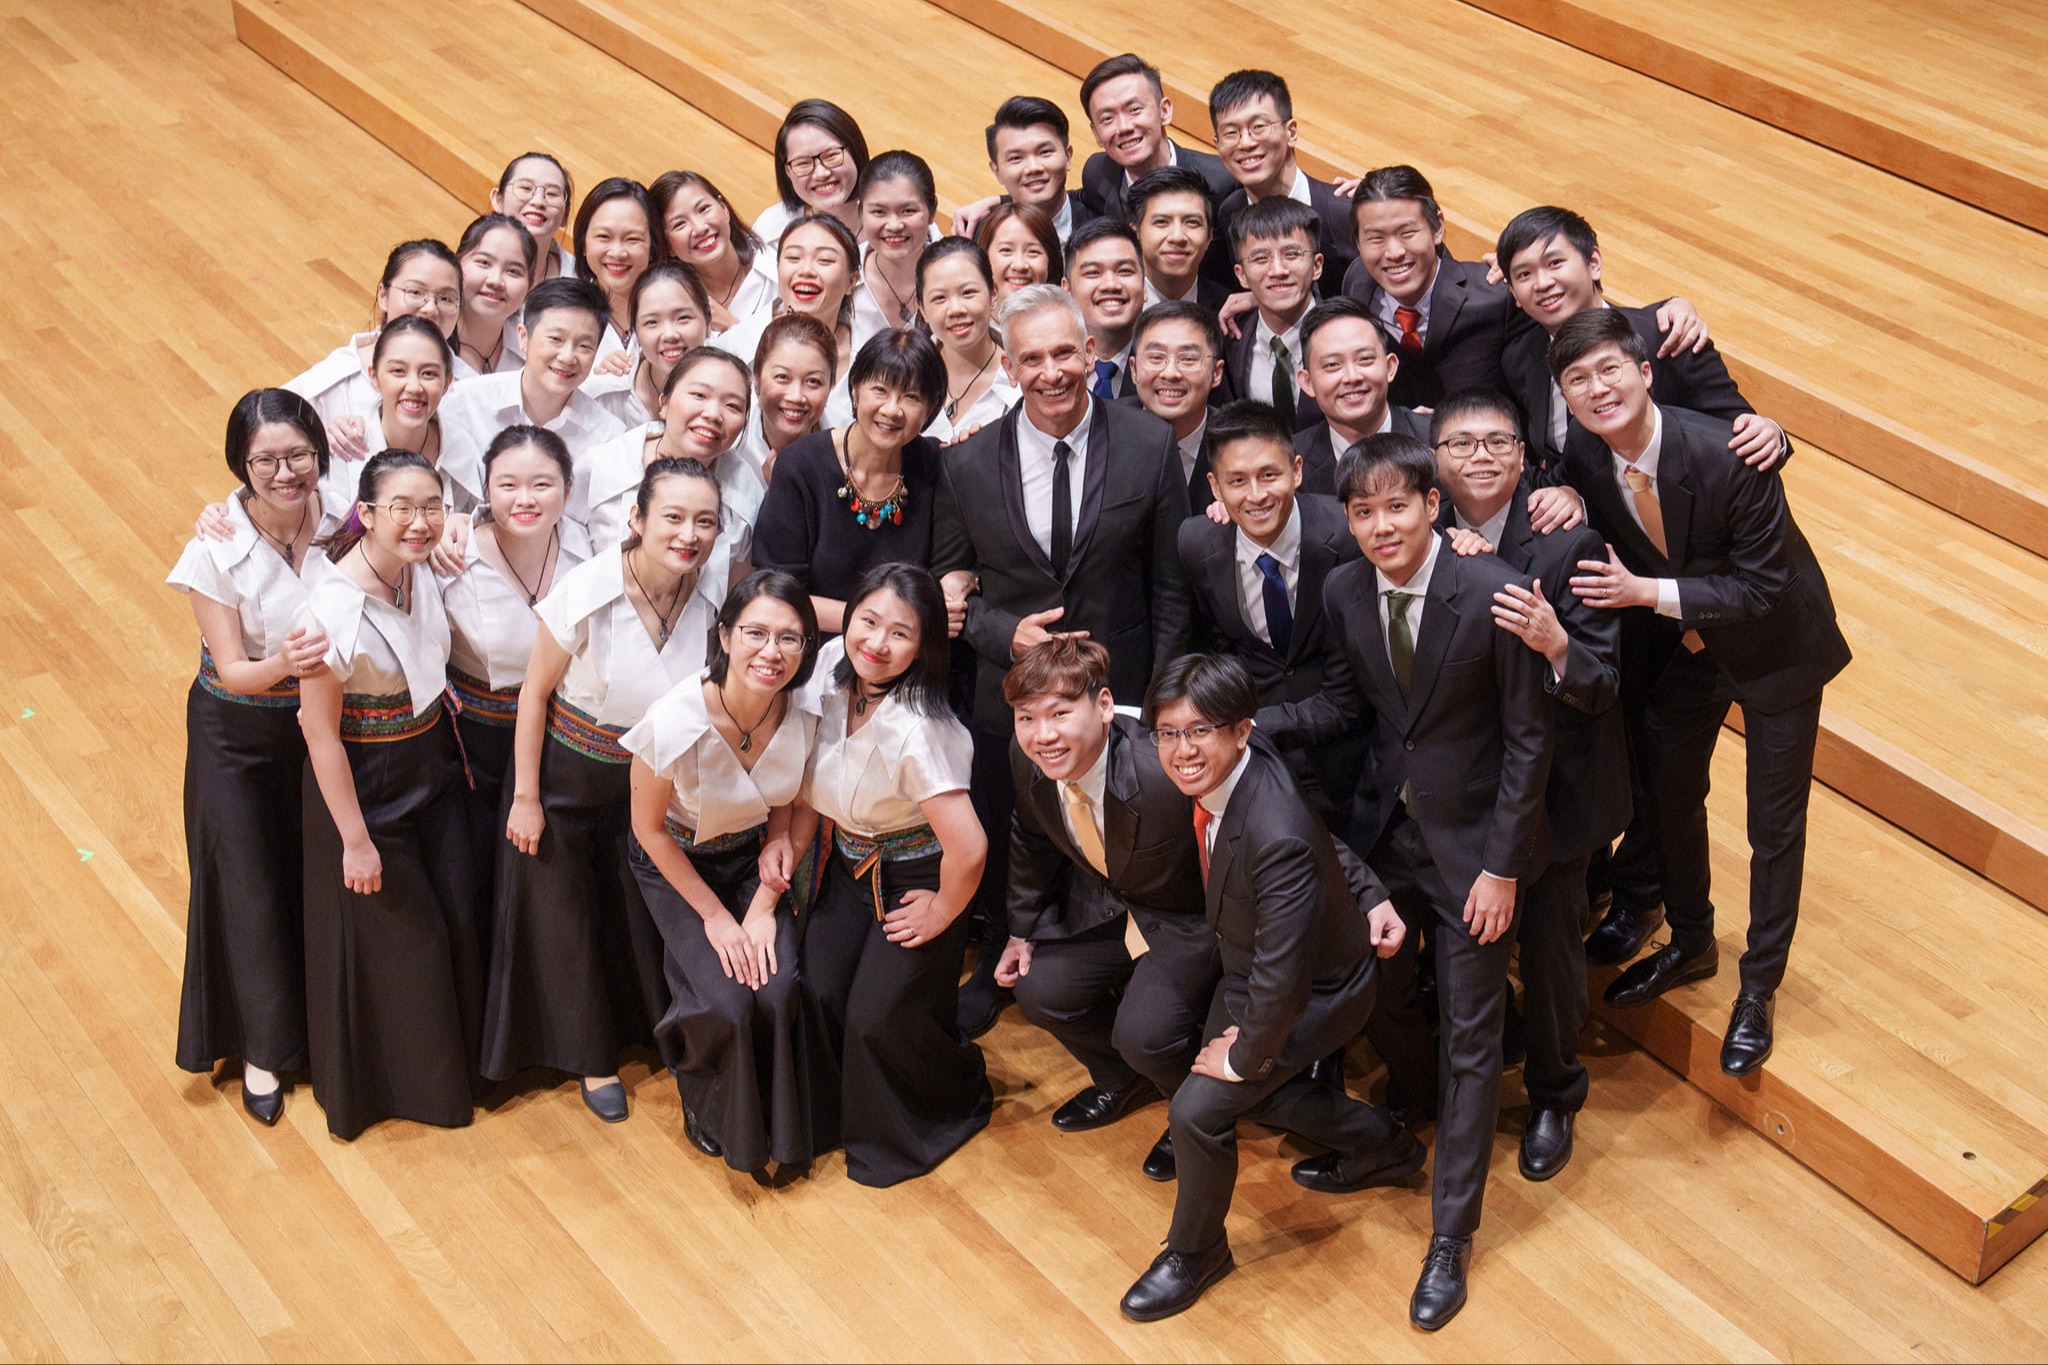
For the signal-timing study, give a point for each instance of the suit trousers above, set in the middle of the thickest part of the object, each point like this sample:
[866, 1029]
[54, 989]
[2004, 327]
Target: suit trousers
[1124, 1019]
[1630, 873]
[1683, 725]
[1554, 999]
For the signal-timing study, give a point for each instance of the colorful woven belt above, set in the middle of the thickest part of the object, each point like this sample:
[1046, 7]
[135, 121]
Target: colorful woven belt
[580, 730]
[386, 719]
[482, 704]
[686, 838]
[867, 855]
[285, 693]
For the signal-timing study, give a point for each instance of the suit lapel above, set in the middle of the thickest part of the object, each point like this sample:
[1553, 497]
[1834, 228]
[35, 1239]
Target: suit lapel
[1119, 791]
[1229, 829]
[1010, 475]
[1674, 493]
[1447, 297]
[1518, 539]
[1050, 807]
[1093, 478]
[1318, 557]
[1320, 456]
[1439, 623]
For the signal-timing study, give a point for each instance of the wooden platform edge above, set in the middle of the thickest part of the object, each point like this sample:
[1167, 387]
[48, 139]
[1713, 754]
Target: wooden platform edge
[1756, 95]
[1844, 1143]
[1918, 463]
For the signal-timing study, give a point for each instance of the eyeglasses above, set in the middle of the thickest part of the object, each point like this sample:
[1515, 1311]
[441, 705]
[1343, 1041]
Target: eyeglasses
[1608, 372]
[1292, 255]
[551, 195]
[786, 641]
[406, 513]
[299, 461]
[1186, 362]
[416, 297]
[831, 159]
[1194, 734]
[1496, 443]
[1251, 132]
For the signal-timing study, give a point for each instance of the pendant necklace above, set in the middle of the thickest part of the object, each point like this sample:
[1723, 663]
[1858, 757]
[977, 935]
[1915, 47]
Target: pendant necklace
[746, 731]
[953, 399]
[397, 589]
[666, 618]
[287, 548]
[533, 593]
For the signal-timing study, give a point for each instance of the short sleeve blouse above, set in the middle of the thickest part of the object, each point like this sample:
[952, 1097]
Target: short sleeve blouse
[875, 780]
[714, 795]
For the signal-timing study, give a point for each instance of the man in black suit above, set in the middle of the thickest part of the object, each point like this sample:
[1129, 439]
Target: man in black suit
[1253, 115]
[1705, 547]
[1298, 978]
[1174, 215]
[1479, 463]
[1462, 732]
[1348, 364]
[1275, 244]
[1030, 154]
[1106, 276]
[1109, 949]
[1128, 110]
[1065, 511]
[1176, 360]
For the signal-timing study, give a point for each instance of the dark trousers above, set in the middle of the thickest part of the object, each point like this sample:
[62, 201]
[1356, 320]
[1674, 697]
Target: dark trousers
[1682, 727]
[1554, 985]
[1123, 1019]
[1630, 872]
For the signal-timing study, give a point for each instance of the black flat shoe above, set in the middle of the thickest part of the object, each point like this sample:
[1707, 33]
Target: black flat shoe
[694, 1130]
[1336, 1173]
[1098, 1106]
[982, 1001]
[1159, 1164]
[1440, 1292]
[1622, 934]
[1546, 1143]
[265, 1109]
[1668, 967]
[1174, 1281]
[608, 1102]
[1751, 1033]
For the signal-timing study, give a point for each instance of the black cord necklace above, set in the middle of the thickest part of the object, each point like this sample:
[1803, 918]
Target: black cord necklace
[397, 589]
[675, 607]
[746, 731]
[288, 548]
[953, 399]
[862, 696]
[533, 593]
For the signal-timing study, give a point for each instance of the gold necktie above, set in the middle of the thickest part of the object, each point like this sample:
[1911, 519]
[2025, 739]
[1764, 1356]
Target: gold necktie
[1652, 513]
[1081, 815]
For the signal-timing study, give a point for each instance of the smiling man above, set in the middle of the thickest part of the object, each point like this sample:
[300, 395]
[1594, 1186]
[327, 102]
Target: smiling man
[1253, 115]
[1348, 366]
[1128, 111]
[1174, 216]
[1106, 276]
[1176, 360]
[1277, 260]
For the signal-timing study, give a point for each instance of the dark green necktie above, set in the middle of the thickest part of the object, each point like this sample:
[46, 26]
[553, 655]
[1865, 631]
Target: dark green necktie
[1400, 638]
[1283, 381]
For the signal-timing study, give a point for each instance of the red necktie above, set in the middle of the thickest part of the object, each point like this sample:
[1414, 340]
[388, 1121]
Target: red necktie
[1202, 818]
[1411, 340]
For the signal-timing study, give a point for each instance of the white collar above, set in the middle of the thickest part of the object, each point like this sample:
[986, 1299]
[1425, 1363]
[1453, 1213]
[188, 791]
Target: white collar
[1172, 159]
[1218, 800]
[1286, 547]
[1079, 433]
[1493, 527]
[1095, 782]
[1648, 460]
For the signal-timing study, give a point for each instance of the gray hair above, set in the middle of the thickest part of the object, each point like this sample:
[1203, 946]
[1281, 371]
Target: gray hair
[1038, 298]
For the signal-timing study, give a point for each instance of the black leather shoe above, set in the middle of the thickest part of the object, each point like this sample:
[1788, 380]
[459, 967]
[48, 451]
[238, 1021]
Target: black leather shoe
[1159, 1164]
[1098, 1106]
[265, 1109]
[982, 1001]
[1337, 1173]
[1750, 1033]
[1440, 1293]
[608, 1102]
[1669, 966]
[1622, 934]
[1546, 1143]
[1327, 1070]
[699, 1136]
[1174, 1281]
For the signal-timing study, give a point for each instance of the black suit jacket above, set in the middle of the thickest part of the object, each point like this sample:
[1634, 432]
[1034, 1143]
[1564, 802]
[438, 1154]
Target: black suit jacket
[1297, 953]
[1340, 250]
[1747, 579]
[1317, 447]
[1474, 738]
[1588, 797]
[1148, 838]
[1237, 372]
[1123, 583]
[1470, 325]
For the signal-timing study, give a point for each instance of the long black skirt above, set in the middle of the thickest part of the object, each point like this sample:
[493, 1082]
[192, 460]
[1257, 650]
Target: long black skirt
[576, 975]
[487, 750]
[912, 1087]
[394, 982]
[746, 1055]
[245, 956]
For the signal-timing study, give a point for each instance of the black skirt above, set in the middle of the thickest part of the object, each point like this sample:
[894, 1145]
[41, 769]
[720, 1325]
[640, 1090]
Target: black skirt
[912, 1087]
[394, 982]
[746, 1055]
[245, 957]
[576, 964]
[487, 750]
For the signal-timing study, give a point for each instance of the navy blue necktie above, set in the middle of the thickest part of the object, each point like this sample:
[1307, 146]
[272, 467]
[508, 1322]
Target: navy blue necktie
[1279, 616]
[1105, 380]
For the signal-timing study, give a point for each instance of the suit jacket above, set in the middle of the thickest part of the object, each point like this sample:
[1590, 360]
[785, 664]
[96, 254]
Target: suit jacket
[1588, 797]
[1470, 324]
[1237, 372]
[1747, 579]
[1123, 583]
[1339, 248]
[1103, 185]
[1473, 739]
[1200, 495]
[1317, 448]
[1148, 836]
[1297, 957]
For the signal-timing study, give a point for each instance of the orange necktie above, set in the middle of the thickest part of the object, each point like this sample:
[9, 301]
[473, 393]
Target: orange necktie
[1652, 513]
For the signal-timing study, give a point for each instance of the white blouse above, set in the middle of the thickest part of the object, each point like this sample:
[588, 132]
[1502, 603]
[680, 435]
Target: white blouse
[714, 795]
[615, 671]
[376, 649]
[491, 624]
[616, 468]
[246, 574]
[342, 482]
[999, 398]
[594, 383]
[753, 296]
[875, 780]
[338, 385]
[473, 414]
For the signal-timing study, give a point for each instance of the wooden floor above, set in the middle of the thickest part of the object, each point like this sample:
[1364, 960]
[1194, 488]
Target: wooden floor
[196, 224]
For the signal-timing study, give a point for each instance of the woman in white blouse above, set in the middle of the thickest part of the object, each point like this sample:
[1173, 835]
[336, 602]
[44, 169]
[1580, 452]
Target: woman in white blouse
[576, 971]
[711, 760]
[497, 255]
[535, 189]
[615, 242]
[819, 155]
[669, 311]
[817, 265]
[898, 203]
[394, 978]
[956, 297]
[703, 233]
[794, 365]
[410, 367]
[244, 996]
[883, 947]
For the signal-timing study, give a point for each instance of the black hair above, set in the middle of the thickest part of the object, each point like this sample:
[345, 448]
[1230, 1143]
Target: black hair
[1099, 230]
[898, 165]
[922, 686]
[673, 272]
[1037, 222]
[1389, 459]
[405, 251]
[1537, 226]
[843, 236]
[1242, 87]
[480, 228]
[1216, 685]
[1589, 329]
[903, 358]
[1396, 182]
[1020, 112]
[1247, 419]
[602, 193]
[1168, 180]
[947, 247]
[1343, 306]
[562, 292]
[1273, 217]
[524, 434]
[1468, 403]
[662, 193]
[505, 176]
[829, 117]
[412, 325]
[670, 466]
[784, 588]
[258, 408]
[1180, 310]
[804, 330]
[376, 469]
[1109, 69]
[708, 355]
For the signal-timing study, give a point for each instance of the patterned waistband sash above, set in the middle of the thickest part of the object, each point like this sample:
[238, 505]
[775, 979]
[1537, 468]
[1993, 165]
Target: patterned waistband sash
[686, 838]
[383, 720]
[582, 732]
[867, 855]
[285, 693]
[483, 705]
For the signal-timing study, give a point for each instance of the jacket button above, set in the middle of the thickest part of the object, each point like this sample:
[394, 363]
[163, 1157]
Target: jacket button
[1409, 745]
[1287, 673]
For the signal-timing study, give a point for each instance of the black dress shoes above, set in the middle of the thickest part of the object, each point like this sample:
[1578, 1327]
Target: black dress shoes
[1440, 1293]
[1174, 1281]
[608, 1102]
[1098, 1106]
[1622, 934]
[1669, 966]
[1159, 1163]
[1546, 1143]
[265, 1109]
[1337, 1173]
[1750, 1029]
[982, 1001]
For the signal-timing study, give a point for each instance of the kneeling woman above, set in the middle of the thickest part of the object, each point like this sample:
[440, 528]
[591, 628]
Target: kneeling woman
[576, 973]
[394, 977]
[883, 948]
[712, 759]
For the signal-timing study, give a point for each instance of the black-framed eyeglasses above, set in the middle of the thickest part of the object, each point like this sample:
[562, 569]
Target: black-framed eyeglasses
[1194, 734]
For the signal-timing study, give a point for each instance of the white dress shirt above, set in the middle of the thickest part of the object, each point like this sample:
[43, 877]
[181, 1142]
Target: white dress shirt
[1035, 471]
[1259, 383]
[1667, 588]
[1493, 527]
[490, 623]
[1063, 221]
[876, 780]
[373, 647]
[1251, 584]
[1384, 306]
[246, 574]
[1418, 585]
[1154, 294]
[1191, 448]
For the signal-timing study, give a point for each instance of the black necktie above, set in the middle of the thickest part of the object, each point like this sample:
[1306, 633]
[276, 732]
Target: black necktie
[1279, 615]
[1283, 381]
[1062, 508]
